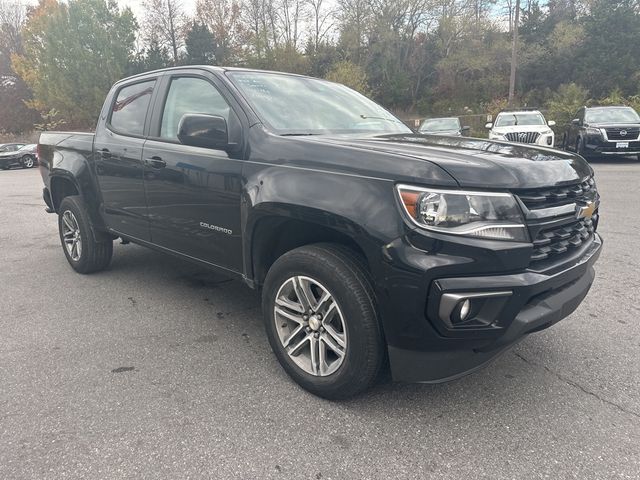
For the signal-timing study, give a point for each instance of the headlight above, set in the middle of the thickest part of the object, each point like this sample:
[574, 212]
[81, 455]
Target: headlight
[496, 136]
[475, 214]
[546, 132]
[593, 131]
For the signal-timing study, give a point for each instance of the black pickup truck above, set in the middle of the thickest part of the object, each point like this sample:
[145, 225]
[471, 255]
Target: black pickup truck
[371, 245]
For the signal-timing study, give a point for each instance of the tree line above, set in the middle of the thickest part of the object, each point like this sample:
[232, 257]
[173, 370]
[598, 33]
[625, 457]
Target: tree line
[425, 57]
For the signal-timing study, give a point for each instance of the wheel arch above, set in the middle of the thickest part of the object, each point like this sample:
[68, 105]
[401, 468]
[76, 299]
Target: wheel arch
[271, 236]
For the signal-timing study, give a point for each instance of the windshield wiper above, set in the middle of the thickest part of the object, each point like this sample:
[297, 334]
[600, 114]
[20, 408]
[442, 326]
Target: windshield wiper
[299, 134]
[365, 117]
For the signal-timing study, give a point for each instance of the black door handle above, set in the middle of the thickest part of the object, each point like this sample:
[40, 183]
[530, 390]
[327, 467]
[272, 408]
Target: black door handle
[105, 153]
[156, 162]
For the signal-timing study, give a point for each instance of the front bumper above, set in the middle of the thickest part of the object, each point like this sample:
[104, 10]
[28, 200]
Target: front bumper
[597, 147]
[437, 353]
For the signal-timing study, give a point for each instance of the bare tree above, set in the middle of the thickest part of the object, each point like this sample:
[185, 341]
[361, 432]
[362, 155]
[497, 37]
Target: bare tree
[164, 24]
[514, 54]
[292, 14]
[13, 14]
[322, 19]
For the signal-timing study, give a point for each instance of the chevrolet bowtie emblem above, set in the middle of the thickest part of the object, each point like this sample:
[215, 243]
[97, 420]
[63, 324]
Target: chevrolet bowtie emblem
[587, 210]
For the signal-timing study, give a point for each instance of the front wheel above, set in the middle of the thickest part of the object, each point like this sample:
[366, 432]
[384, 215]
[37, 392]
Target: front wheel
[84, 253]
[27, 161]
[321, 320]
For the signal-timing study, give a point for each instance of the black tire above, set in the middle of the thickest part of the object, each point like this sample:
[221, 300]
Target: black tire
[28, 161]
[95, 255]
[340, 270]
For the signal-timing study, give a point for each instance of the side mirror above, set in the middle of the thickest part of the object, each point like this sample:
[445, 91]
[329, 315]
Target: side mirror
[466, 128]
[551, 123]
[208, 131]
[488, 125]
[575, 121]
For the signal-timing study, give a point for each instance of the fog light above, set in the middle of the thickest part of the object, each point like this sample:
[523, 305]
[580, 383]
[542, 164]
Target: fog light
[465, 308]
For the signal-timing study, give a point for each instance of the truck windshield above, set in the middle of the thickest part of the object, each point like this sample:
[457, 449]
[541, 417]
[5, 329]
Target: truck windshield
[612, 115]
[292, 105]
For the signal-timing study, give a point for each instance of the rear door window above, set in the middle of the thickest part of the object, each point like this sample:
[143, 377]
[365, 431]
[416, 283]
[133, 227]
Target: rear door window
[129, 111]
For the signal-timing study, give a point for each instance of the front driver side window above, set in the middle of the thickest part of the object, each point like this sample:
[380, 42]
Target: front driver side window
[190, 95]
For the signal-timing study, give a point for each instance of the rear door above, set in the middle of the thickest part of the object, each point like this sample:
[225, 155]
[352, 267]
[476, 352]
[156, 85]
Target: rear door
[118, 159]
[193, 193]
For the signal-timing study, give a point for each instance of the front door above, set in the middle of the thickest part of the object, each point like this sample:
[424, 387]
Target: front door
[118, 161]
[193, 193]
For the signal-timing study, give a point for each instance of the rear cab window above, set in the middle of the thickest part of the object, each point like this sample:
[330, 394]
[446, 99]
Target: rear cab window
[129, 109]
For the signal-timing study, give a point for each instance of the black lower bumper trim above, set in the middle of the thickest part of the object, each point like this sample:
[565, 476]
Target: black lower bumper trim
[540, 311]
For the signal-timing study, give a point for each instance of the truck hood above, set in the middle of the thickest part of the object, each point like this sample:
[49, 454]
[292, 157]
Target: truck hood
[480, 163]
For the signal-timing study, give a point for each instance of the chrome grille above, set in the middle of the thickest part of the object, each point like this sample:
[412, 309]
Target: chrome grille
[621, 133]
[522, 137]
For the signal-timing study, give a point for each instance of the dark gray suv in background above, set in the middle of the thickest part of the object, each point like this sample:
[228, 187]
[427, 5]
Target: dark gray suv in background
[603, 132]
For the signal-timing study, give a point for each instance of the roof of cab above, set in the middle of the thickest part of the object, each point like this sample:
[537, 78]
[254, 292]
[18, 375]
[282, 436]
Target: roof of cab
[214, 68]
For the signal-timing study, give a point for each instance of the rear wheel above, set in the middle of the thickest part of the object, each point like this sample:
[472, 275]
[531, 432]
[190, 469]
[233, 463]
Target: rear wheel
[84, 253]
[321, 320]
[28, 161]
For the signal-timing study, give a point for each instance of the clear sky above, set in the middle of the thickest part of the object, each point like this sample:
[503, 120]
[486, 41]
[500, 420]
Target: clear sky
[136, 6]
[138, 10]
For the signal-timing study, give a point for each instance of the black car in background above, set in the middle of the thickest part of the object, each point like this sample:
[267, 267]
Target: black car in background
[604, 131]
[17, 155]
[443, 126]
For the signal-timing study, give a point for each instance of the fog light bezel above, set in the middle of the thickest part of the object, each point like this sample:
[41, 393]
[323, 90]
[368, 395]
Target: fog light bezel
[451, 304]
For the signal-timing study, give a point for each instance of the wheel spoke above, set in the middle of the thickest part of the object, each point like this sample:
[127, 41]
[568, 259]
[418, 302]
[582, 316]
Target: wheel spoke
[302, 292]
[289, 316]
[295, 349]
[293, 335]
[291, 305]
[67, 222]
[315, 357]
[324, 304]
[79, 246]
[74, 250]
[334, 339]
[322, 350]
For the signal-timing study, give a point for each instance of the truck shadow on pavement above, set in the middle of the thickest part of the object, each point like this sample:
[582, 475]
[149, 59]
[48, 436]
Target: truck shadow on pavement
[226, 310]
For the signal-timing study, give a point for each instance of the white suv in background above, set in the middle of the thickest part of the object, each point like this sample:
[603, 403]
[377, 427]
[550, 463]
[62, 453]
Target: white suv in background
[522, 126]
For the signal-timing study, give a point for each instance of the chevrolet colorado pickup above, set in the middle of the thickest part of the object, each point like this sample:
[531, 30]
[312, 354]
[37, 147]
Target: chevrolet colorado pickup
[372, 246]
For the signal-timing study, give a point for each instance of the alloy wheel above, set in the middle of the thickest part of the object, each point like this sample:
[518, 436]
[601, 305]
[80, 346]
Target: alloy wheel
[310, 326]
[71, 235]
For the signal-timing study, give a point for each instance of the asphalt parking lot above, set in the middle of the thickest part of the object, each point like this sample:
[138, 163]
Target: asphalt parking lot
[159, 369]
